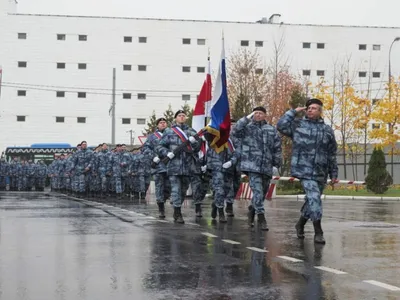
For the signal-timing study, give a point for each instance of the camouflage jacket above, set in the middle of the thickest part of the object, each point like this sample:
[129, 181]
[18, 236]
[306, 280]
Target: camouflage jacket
[149, 149]
[314, 147]
[184, 163]
[216, 160]
[82, 160]
[260, 146]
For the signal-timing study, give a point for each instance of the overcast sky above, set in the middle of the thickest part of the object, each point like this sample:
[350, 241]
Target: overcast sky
[346, 12]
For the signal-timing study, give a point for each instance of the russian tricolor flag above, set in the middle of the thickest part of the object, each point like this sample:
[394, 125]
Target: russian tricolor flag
[220, 125]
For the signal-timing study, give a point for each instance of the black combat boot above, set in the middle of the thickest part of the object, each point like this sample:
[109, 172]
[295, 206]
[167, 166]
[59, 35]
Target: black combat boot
[250, 216]
[198, 210]
[161, 210]
[262, 222]
[178, 215]
[229, 210]
[142, 196]
[222, 218]
[319, 234]
[300, 227]
[213, 211]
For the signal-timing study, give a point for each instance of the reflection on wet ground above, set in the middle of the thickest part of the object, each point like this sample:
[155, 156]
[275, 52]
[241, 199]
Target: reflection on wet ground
[53, 247]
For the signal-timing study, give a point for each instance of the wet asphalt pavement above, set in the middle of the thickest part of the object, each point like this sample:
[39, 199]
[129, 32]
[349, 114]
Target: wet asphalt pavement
[54, 247]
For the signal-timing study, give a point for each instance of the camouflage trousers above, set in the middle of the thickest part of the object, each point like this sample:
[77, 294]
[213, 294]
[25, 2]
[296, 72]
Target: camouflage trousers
[163, 187]
[259, 185]
[94, 183]
[236, 182]
[179, 187]
[222, 184]
[312, 207]
[40, 182]
[81, 183]
[117, 181]
[199, 188]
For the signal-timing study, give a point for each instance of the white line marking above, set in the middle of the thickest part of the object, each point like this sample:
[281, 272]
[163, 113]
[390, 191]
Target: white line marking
[383, 285]
[194, 224]
[162, 221]
[257, 249]
[331, 270]
[209, 234]
[292, 259]
[231, 242]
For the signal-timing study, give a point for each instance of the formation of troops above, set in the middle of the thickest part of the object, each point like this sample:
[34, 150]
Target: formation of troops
[178, 157]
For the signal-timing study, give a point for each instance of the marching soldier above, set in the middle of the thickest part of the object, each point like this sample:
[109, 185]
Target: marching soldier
[180, 147]
[313, 160]
[260, 152]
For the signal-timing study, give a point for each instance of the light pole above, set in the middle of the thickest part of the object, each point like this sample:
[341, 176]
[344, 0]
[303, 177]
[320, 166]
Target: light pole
[390, 96]
[132, 139]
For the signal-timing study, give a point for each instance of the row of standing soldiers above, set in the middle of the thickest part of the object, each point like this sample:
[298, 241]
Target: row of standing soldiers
[22, 175]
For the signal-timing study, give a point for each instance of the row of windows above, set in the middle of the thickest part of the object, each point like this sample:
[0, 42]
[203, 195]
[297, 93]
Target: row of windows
[140, 96]
[361, 74]
[83, 120]
[126, 39]
[375, 47]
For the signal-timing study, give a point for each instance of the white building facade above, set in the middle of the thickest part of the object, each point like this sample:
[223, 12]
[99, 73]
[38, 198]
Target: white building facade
[57, 70]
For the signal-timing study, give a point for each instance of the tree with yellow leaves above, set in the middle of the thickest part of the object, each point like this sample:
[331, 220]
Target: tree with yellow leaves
[387, 114]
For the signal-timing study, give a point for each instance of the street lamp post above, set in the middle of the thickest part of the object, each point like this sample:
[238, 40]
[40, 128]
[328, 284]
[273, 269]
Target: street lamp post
[390, 95]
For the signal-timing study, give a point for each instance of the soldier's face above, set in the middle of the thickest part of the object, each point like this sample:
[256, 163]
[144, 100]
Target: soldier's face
[105, 147]
[83, 146]
[314, 111]
[123, 148]
[162, 125]
[259, 116]
[180, 119]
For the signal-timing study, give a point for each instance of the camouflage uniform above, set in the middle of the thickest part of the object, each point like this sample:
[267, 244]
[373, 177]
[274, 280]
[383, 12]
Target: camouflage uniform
[4, 173]
[260, 152]
[40, 176]
[82, 160]
[182, 166]
[313, 158]
[162, 184]
[104, 169]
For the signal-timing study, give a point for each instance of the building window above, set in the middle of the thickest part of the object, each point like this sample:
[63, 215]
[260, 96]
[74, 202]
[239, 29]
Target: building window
[127, 39]
[142, 39]
[126, 121]
[376, 74]
[141, 121]
[127, 67]
[362, 74]
[306, 72]
[186, 69]
[21, 118]
[186, 97]
[60, 119]
[376, 47]
[61, 37]
[22, 64]
[201, 69]
[81, 120]
[201, 42]
[81, 94]
[186, 41]
[320, 46]
[82, 37]
[82, 66]
[22, 36]
[21, 93]
[141, 96]
[142, 68]
[244, 43]
[60, 65]
[259, 44]
[306, 45]
[320, 73]
[126, 96]
[259, 71]
[60, 94]
[362, 47]
[376, 126]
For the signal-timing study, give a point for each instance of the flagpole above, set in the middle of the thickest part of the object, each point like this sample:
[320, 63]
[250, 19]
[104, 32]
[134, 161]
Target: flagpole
[113, 109]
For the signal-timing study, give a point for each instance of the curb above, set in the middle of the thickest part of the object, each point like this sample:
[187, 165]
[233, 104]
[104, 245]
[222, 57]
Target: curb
[333, 197]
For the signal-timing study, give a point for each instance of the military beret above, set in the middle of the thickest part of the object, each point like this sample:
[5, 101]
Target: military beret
[313, 101]
[260, 108]
[179, 112]
[161, 119]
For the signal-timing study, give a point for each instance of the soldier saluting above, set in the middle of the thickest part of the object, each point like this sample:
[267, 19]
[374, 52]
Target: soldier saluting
[313, 159]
